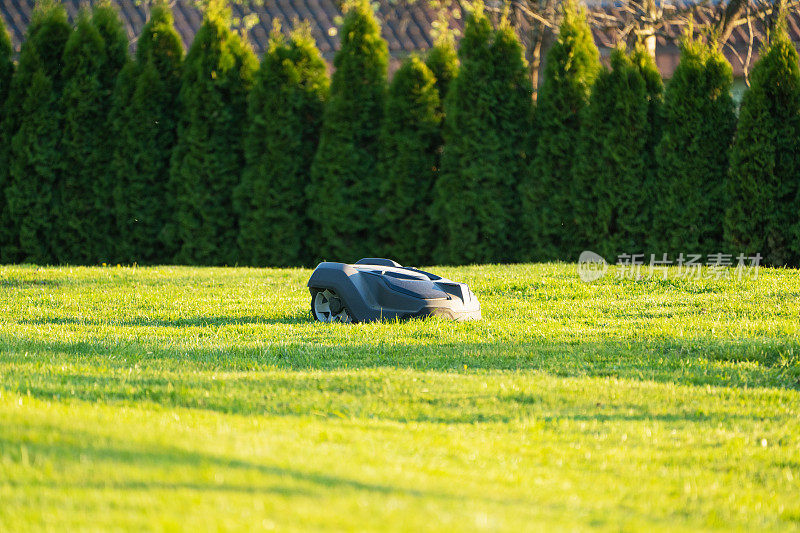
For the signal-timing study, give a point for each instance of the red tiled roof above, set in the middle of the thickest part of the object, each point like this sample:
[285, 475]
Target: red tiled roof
[406, 26]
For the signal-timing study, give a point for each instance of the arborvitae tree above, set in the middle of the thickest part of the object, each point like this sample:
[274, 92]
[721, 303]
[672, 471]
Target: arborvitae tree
[34, 172]
[410, 143]
[571, 66]
[91, 62]
[285, 117]
[115, 43]
[488, 110]
[654, 91]
[692, 156]
[344, 182]
[6, 65]
[144, 123]
[762, 192]
[42, 49]
[442, 60]
[208, 159]
[611, 170]
[80, 226]
[30, 152]
[6, 72]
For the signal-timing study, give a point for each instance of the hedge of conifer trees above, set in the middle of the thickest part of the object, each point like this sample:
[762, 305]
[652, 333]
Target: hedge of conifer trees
[213, 159]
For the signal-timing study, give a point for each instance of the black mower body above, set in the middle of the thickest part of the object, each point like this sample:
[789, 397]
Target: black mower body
[380, 289]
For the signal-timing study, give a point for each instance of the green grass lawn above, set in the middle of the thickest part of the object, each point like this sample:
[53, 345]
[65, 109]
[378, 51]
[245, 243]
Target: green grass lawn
[206, 399]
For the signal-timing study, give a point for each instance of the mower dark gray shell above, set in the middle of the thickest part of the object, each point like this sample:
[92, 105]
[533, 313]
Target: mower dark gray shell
[380, 289]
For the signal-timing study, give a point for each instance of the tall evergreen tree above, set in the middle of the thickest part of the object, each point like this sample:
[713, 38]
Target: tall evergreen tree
[692, 156]
[42, 48]
[79, 224]
[410, 143]
[144, 124]
[442, 60]
[285, 117]
[654, 92]
[762, 192]
[208, 158]
[30, 154]
[571, 66]
[6, 65]
[488, 108]
[611, 172]
[115, 43]
[6, 72]
[115, 57]
[34, 170]
[91, 61]
[344, 181]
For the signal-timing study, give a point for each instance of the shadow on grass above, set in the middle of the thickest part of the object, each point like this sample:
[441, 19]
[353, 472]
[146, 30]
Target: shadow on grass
[368, 396]
[628, 359]
[73, 446]
[24, 283]
[101, 371]
[201, 321]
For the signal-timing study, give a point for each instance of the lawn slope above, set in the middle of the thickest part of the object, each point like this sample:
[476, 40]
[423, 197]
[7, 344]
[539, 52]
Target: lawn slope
[206, 399]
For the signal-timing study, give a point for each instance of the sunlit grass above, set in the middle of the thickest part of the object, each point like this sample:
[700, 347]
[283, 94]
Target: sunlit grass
[206, 399]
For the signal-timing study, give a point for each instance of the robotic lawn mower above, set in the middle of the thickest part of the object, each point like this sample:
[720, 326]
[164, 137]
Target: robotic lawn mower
[380, 289]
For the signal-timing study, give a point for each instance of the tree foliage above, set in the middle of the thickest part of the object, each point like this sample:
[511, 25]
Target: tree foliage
[488, 111]
[144, 124]
[344, 180]
[91, 62]
[6, 72]
[115, 44]
[571, 66]
[611, 171]
[442, 60]
[30, 153]
[692, 156]
[762, 192]
[285, 116]
[207, 161]
[410, 144]
[654, 92]
[6, 65]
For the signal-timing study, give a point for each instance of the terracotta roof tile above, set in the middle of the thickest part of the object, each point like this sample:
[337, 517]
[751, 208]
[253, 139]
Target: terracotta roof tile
[406, 26]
